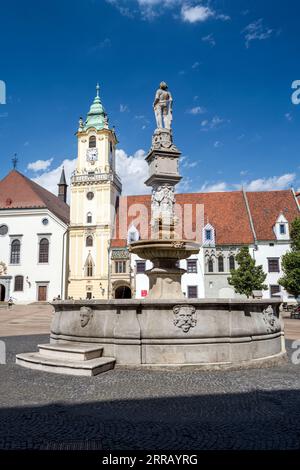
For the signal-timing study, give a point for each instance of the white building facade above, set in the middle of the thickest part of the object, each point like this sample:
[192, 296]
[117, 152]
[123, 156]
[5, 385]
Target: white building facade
[33, 243]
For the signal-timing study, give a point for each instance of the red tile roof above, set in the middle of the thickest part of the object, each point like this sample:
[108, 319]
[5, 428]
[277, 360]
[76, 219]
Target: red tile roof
[265, 208]
[19, 192]
[226, 211]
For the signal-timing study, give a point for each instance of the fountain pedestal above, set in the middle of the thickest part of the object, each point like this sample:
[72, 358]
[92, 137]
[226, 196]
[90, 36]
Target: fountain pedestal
[165, 276]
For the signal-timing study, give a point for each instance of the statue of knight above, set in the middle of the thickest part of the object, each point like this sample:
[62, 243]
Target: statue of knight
[163, 107]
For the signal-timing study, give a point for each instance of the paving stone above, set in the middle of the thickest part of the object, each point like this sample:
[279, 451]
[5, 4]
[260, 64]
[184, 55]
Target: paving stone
[142, 409]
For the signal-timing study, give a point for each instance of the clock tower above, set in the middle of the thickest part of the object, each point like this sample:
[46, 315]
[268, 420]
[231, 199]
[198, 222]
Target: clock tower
[95, 188]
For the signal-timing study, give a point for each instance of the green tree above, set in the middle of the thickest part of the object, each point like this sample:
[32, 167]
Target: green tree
[247, 277]
[291, 262]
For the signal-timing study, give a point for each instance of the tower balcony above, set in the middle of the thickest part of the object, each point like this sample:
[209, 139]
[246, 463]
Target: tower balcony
[92, 178]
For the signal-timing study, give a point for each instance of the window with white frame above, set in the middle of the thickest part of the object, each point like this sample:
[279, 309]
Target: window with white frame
[191, 265]
[208, 235]
[281, 228]
[15, 252]
[120, 267]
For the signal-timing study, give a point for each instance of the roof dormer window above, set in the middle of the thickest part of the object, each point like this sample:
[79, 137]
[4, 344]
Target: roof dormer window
[281, 228]
[208, 235]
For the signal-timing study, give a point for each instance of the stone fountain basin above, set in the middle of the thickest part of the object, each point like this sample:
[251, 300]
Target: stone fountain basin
[164, 249]
[219, 333]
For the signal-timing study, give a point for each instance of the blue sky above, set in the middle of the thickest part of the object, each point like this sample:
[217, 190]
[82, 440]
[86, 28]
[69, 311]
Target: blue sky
[229, 65]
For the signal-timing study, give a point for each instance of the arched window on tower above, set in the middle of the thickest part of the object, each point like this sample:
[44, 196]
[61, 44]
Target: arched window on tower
[44, 251]
[210, 265]
[231, 262]
[89, 266]
[92, 142]
[221, 264]
[89, 240]
[89, 218]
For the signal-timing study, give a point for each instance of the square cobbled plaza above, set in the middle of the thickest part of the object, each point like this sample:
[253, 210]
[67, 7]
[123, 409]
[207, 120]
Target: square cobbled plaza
[133, 409]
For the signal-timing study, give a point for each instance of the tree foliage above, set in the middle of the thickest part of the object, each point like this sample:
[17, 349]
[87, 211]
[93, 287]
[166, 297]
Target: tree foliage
[291, 262]
[247, 277]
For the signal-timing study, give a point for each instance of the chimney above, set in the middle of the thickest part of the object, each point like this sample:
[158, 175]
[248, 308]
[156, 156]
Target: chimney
[62, 187]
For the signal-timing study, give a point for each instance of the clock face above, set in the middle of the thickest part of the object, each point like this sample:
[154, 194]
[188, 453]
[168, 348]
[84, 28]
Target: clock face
[92, 155]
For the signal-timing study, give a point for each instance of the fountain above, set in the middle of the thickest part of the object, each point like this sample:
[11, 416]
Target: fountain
[165, 329]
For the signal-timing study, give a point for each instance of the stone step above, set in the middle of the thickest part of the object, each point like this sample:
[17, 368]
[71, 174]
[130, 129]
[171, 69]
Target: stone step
[90, 367]
[71, 351]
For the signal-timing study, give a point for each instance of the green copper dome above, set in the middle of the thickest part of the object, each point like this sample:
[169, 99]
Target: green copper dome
[97, 116]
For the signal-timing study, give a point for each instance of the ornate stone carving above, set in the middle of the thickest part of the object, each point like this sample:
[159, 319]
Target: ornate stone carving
[162, 202]
[185, 317]
[3, 268]
[86, 314]
[162, 139]
[270, 319]
[178, 244]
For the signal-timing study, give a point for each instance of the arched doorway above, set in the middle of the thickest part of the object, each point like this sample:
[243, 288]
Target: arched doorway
[2, 293]
[123, 292]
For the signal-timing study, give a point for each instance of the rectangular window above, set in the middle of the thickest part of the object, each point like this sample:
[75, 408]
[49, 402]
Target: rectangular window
[208, 235]
[273, 265]
[19, 282]
[140, 267]
[191, 266]
[282, 229]
[120, 267]
[89, 295]
[192, 292]
[274, 289]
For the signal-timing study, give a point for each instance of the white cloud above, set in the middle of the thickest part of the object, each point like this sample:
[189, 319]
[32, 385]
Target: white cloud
[271, 183]
[218, 144]
[194, 14]
[196, 110]
[50, 179]
[215, 187]
[288, 117]
[101, 45]
[195, 65]
[133, 171]
[150, 9]
[39, 165]
[124, 108]
[209, 39]
[260, 184]
[256, 31]
[187, 163]
[214, 123]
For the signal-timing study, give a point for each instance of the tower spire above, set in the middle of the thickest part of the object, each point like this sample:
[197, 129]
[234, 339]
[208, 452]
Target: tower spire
[96, 116]
[62, 186]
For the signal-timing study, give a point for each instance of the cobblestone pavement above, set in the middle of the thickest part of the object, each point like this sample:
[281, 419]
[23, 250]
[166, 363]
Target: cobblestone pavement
[149, 410]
